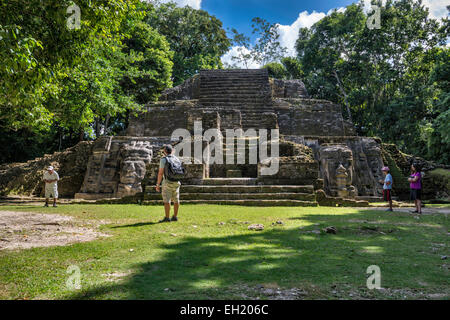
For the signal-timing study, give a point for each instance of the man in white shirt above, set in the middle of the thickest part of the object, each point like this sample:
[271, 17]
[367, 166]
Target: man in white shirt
[51, 178]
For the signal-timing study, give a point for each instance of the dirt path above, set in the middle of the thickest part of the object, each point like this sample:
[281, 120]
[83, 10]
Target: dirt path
[426, 210]
[23, 230]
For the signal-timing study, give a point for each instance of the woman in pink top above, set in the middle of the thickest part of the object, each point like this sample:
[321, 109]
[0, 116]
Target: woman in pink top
[415, 183]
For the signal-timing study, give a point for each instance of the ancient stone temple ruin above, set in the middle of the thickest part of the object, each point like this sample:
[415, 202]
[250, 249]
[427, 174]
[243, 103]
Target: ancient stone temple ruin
[320, 157]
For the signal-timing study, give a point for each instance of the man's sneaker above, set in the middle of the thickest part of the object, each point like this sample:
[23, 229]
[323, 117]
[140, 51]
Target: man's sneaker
[174, 219]
[46, 205]
[164, 220]
[389, 209]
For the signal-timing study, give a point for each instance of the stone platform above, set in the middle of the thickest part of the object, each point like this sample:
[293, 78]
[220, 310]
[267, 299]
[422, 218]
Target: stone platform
[315, 141]
[321, 160]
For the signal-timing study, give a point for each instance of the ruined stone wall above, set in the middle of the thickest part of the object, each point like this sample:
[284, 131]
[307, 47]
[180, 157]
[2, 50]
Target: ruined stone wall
[363, 164]
[160, 119]
[116, 167]
[26, 178]
[188, 90]
[303, 117]
[288, 88]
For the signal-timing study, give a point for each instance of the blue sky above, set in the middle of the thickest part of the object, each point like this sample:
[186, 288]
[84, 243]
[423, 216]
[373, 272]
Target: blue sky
[290, 15]
[239, 13]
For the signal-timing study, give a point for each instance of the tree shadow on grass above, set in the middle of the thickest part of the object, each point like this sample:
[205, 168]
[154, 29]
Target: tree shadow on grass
[139, 224]
[220, 267]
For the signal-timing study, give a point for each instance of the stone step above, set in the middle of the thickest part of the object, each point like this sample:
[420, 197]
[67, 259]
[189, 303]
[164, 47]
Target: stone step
[244, 189]
[235, 88]
[229, 181]
[253, 105]
[208, 71]
[232, 74]
[238, 196]
[235, 77]
[241, 104]
[232, 84]
[238, 91]
[221, 82]
[214, 94]
[255, 98]
[246, 202]
[257, 115]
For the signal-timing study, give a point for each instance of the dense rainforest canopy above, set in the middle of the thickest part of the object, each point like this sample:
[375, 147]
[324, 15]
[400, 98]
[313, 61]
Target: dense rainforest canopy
[60, 85]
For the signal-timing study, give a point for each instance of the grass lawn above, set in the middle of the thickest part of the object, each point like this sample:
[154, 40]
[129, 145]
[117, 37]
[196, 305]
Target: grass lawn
[211, 254]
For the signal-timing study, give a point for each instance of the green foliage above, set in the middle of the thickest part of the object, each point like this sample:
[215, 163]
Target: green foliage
[150, 73]
[267, 48]
[45, 51]
[382, 76]
[293, 67]
[196, 38]
[289, 68]
[276, 70]
[62, 84]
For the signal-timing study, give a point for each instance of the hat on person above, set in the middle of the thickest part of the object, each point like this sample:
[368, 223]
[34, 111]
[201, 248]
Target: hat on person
[50, 168]
[385, 169]
[168, 148]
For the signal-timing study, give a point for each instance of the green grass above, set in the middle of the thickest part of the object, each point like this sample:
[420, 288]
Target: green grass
[196, 258]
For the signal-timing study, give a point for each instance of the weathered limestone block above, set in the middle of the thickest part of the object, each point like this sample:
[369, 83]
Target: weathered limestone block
[336, 163]
[367, 165]
[295, 89]
[303, 117]
[367, 161]
[324, 200]
[26, 178]
[162, 118]
[349, 128]
[188, 90]
[117, 171]
[134, 159]
[229, 119]
[288, 88]
[208, 118]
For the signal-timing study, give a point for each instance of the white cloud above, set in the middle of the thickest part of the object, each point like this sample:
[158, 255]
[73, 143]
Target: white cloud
[438, 8]
[196, 4]
[234, 51]
[289, 33]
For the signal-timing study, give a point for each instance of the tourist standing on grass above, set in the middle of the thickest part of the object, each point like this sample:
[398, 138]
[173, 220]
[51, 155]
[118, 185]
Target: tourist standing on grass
[170, 169]
[387, 187]
[51, 178]
[415, 183]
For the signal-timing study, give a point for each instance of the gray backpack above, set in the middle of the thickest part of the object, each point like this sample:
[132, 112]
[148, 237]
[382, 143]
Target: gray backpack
[174, 170]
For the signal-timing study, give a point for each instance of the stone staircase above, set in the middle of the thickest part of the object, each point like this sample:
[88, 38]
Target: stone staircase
[248, 91]
[240, 191]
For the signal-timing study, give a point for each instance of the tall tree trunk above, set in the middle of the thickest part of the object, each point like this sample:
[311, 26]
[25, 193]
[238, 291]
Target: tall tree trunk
[344, 94]
[97, 128]
[106, 123]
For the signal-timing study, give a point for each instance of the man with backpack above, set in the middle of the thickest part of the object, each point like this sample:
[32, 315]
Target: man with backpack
[170, 172]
